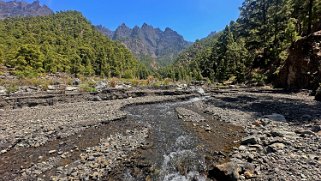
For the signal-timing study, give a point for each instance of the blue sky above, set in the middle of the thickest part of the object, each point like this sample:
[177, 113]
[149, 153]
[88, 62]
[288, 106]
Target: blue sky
[194, 19]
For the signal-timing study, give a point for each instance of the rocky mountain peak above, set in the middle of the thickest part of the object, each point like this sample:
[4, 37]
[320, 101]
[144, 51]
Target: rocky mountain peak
[22, 9]
[147, 41]
[122, 31]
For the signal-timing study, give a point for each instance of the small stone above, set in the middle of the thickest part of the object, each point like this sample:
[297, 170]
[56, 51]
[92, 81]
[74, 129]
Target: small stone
[70, 88]
[91, 158]
[37, 172]
[248, 174]
[257, 147]
[281, 133]
[3, 151]
[316, 128]
[275, 147]
[51, 87]
[307, 132]
[96, 98]
[250, 140]
[76, 81]
[242, 148]
[208, 128]
[257, 123]
[52, 151]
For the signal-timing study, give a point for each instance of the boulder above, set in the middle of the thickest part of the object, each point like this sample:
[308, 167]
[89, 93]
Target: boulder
[302, 69]
[100, 86]
[227, 171]
[250, 140]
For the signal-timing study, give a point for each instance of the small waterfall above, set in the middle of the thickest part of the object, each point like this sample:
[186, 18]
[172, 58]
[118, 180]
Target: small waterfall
[183, 164]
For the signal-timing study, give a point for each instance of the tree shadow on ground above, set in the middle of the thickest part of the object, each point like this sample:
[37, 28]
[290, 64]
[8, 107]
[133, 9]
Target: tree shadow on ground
[294, 110]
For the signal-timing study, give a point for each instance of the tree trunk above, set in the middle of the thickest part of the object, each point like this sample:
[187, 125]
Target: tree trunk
[310, 17]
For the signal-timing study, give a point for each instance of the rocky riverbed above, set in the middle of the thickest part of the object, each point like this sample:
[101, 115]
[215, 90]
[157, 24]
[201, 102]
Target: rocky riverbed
[230, 134]
[283, 131]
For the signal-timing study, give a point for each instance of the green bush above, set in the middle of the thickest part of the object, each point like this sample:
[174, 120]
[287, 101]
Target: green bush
[87, 88]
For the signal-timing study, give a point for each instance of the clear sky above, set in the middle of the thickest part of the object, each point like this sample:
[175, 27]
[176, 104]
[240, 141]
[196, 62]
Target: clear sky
[194, 19]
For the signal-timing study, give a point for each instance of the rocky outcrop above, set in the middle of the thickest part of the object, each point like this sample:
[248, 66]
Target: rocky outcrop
[302, 69]
[23, 9]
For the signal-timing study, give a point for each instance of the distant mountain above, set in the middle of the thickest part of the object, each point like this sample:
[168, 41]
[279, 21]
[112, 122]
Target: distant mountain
[22, 9]
[151, 45]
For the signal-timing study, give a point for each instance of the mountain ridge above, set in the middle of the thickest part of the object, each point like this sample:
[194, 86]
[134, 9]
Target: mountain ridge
[160, 47]
[16, 8]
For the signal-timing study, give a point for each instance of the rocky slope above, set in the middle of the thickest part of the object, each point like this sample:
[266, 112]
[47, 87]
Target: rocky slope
[22, 9]
[150, 44]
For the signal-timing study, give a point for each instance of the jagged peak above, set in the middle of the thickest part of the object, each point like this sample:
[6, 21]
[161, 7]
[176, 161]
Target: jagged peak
[145, 25]
[123, 25]
[167, 29]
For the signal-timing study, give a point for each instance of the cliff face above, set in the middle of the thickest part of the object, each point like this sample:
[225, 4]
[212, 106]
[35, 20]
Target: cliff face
[302, 69]
[22, 9]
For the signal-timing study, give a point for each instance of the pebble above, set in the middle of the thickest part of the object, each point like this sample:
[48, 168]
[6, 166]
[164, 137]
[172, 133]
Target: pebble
[52, 151]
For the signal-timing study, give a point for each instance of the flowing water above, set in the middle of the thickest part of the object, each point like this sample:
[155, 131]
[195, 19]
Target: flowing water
[175, 151]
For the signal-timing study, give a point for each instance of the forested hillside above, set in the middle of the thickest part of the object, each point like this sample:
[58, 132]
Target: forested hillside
[63, 42]
[254, 47]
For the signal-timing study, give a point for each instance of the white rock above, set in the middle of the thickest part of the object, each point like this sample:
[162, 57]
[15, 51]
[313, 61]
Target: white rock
[200, 90]
[51, 87]
[52, 151]
[70, 88]
[3, 90]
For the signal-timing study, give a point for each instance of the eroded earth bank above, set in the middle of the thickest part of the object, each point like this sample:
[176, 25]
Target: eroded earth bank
[254, 134]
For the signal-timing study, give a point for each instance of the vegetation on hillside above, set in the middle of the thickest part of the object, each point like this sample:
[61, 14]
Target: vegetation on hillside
[63, 42]
[252, 48]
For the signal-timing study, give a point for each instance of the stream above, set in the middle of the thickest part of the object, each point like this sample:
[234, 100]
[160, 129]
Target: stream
[175, 152]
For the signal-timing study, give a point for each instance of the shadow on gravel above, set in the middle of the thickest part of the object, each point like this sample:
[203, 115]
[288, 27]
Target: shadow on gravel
[293, 110]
